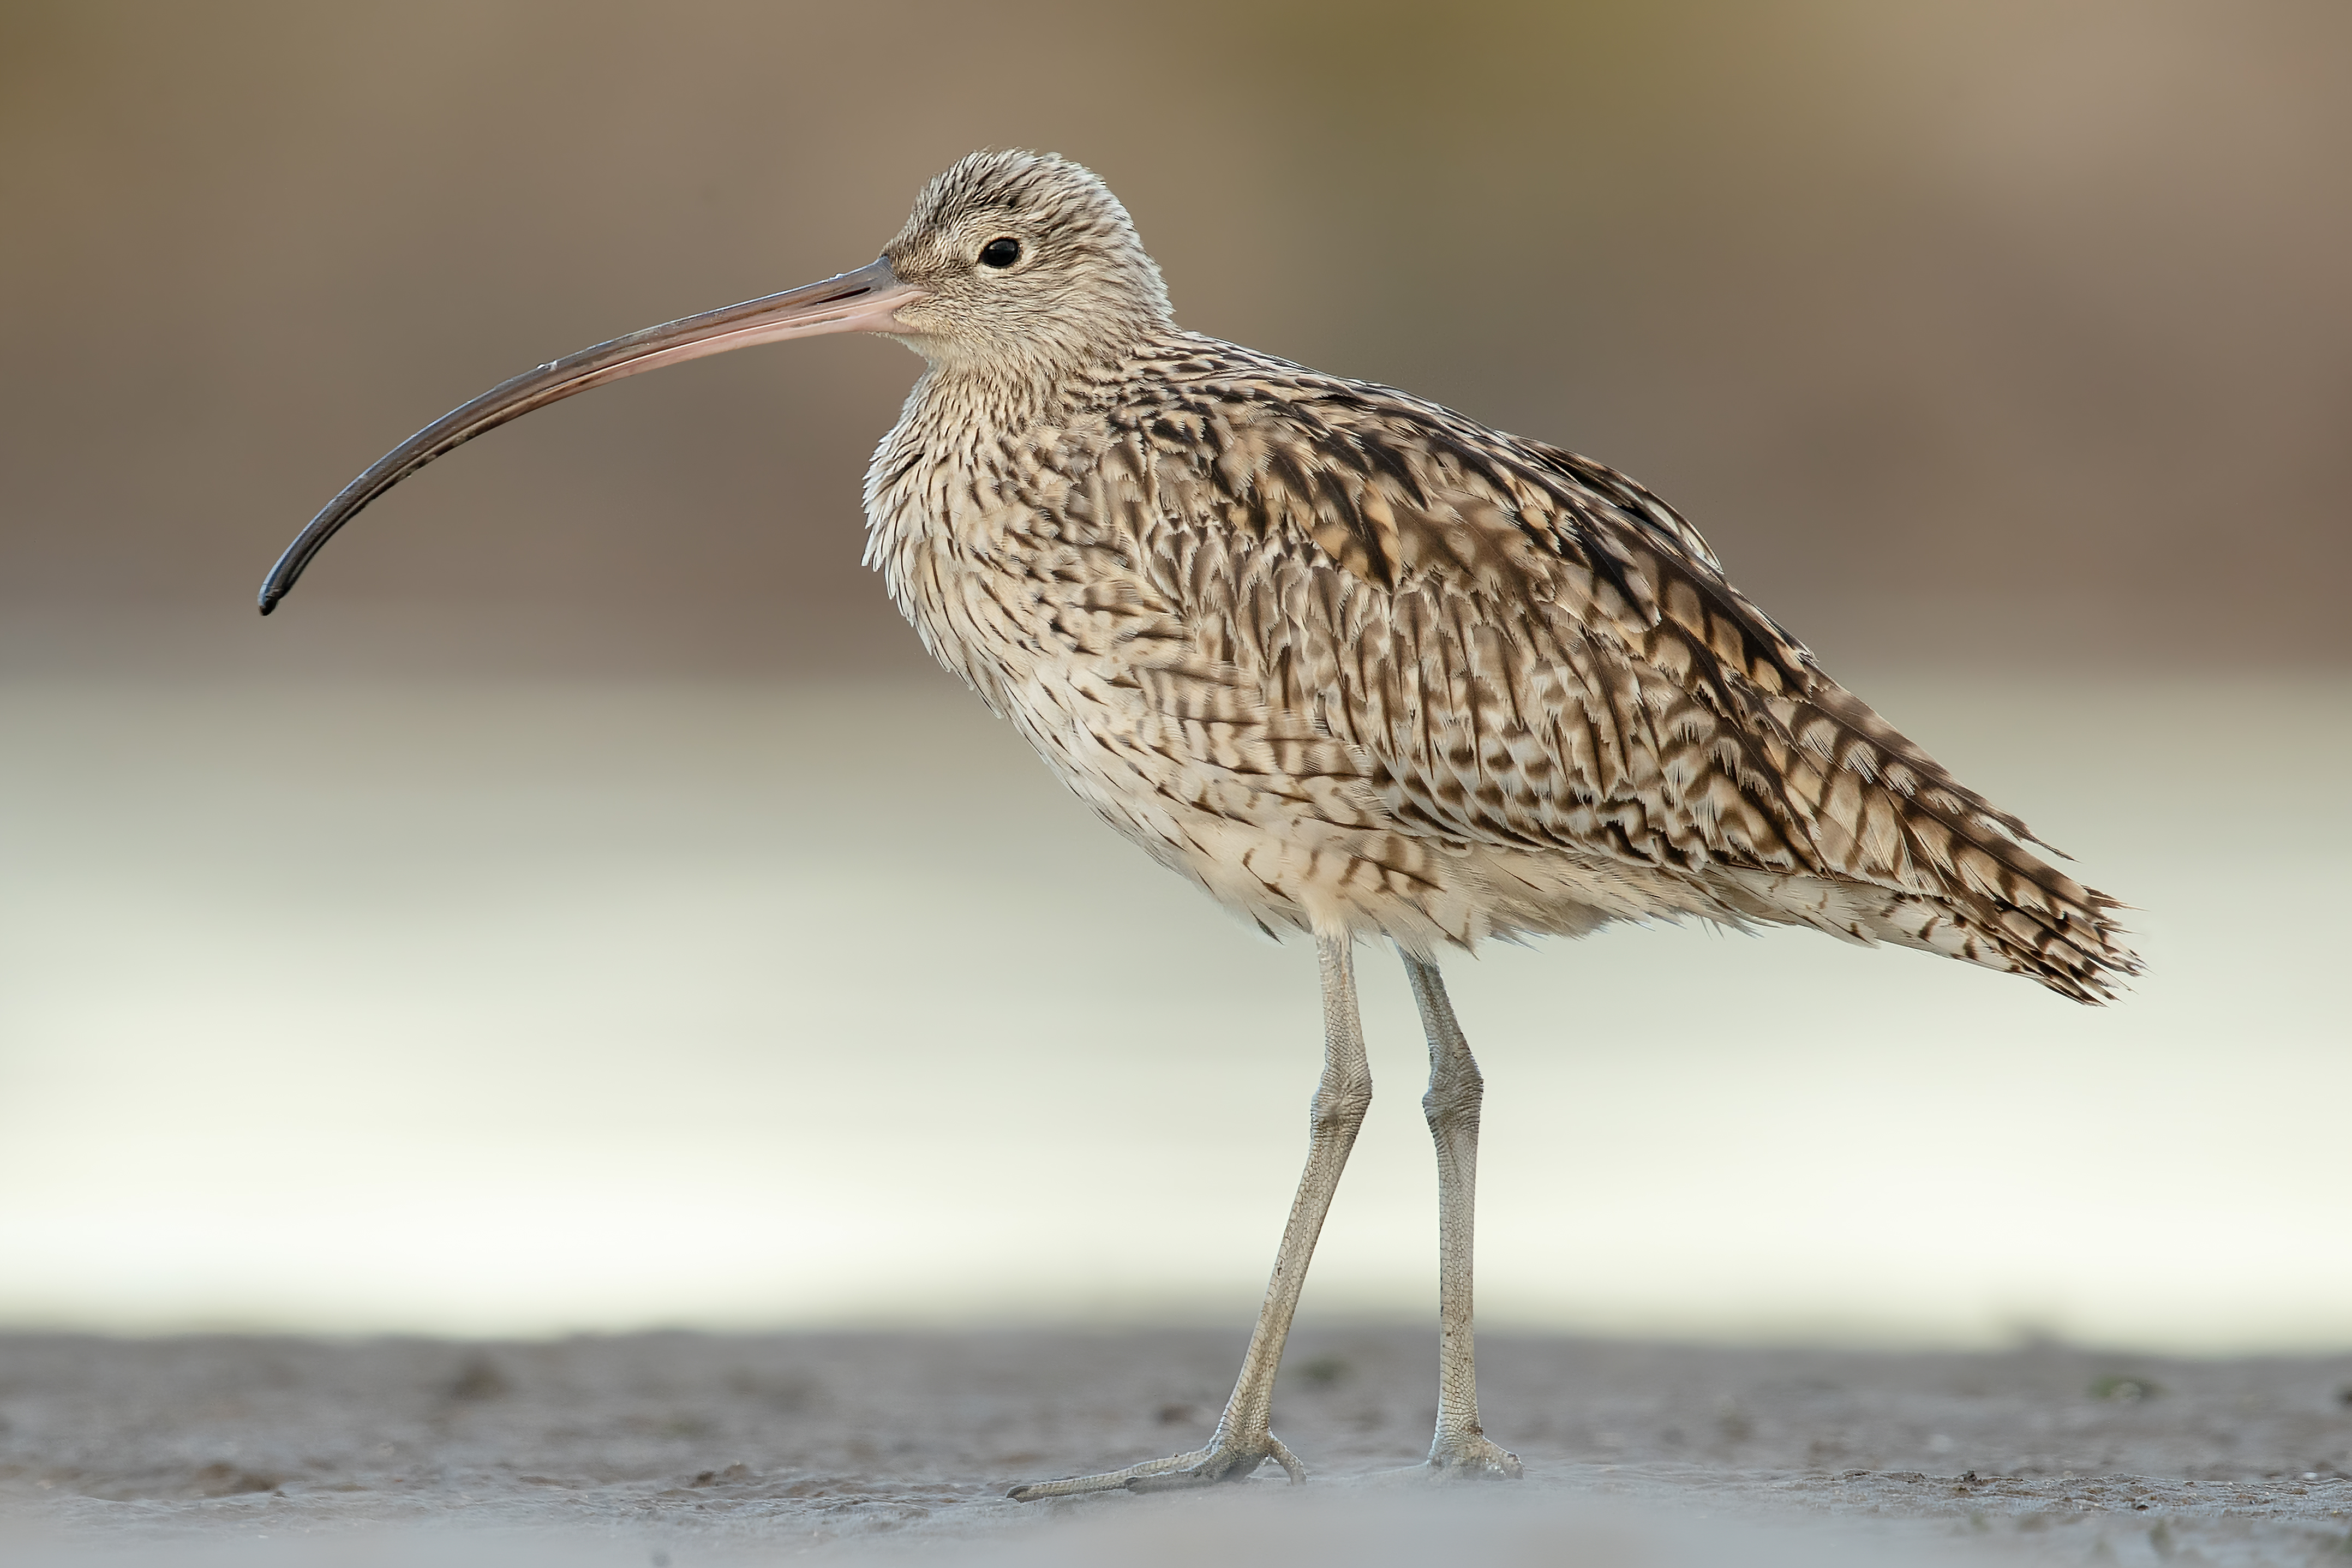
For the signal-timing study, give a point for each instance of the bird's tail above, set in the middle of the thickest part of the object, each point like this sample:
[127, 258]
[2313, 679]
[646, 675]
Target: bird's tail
[1913, 855]
[2077, 950]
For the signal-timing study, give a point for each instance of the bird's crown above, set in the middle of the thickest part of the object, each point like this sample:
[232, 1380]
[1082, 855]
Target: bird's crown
[1025, 259]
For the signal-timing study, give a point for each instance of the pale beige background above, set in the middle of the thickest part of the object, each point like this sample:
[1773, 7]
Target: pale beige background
[498, 939]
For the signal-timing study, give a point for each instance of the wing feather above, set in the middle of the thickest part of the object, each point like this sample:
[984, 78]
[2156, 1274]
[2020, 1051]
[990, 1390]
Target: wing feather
[1536, 652]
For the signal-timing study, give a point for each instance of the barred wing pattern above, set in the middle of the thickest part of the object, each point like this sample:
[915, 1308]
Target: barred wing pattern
[1522, 651]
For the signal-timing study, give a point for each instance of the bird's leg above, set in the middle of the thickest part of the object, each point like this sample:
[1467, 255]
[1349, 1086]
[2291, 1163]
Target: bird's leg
[1455, 1090]
[1244, 1438]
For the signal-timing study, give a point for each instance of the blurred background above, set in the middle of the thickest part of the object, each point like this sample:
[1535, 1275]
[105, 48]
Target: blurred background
[498, 940]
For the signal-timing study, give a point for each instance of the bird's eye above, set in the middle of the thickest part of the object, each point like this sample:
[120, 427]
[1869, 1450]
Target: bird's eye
[999, 253]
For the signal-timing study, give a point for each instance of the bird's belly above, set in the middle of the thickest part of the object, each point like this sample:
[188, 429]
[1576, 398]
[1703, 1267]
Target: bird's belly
[1306, 847]
[1200, 767]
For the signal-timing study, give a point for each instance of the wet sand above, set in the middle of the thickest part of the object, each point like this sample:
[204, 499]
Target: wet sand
[685, 1448]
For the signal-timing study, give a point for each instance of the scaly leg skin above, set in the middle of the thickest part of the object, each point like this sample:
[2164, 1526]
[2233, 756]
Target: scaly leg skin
[1461, 1450]
[1244, 1439]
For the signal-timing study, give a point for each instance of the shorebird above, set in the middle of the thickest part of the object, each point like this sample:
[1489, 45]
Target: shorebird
[1357, 665]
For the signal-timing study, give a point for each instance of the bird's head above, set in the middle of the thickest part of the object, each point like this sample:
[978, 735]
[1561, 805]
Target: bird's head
[1019, 262]
[1022, 259]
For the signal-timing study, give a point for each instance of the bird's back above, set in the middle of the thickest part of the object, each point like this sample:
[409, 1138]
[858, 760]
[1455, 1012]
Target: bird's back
[1353, 660]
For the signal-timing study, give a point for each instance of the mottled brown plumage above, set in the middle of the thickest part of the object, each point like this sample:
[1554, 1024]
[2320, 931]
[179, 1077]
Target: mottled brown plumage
[1354, 662]
[1357, 665]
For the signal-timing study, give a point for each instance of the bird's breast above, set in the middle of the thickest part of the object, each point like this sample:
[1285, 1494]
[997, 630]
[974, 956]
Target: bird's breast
[1001, 555]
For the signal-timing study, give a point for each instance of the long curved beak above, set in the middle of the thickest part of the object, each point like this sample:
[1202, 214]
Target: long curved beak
[866, 300]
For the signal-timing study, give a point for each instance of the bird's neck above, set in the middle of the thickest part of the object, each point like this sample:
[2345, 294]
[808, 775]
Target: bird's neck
[1006, 398]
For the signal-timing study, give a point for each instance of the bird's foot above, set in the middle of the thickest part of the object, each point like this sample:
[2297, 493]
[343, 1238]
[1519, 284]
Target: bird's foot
[1470, 1457]
[1224, 1459]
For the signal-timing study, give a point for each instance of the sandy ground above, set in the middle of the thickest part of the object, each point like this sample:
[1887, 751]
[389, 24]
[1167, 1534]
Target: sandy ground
[685, 1448]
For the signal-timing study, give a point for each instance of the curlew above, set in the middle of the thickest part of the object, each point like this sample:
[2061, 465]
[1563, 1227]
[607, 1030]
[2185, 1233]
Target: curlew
[1358, 666]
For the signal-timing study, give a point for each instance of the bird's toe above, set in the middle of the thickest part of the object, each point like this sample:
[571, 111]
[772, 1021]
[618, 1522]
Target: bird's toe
[1219, 1463]
[1473, 1458]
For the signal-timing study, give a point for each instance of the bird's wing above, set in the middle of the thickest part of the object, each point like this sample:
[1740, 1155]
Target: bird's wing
[1538, 653]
